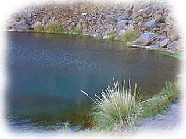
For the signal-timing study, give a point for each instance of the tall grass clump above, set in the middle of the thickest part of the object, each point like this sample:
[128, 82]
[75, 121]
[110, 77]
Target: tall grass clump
[52, 27]
[115, 108]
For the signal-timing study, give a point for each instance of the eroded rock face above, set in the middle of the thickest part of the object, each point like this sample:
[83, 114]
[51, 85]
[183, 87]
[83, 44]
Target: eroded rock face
[152, 22]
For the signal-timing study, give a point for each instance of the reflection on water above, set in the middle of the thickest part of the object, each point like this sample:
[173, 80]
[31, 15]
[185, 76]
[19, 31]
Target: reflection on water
[47, 72]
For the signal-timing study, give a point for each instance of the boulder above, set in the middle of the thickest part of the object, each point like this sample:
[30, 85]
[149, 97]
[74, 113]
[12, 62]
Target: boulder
[111, 19]
[29, 17]
[96, 34]
[172, 45]
[21, 26]
[145, 39]
[173, 37]
[10, 25]
[123, 17]
[122, 24]
[163, 44]
[151, 24]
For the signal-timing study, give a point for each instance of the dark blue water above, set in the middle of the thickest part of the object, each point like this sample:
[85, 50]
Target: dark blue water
[47, 71]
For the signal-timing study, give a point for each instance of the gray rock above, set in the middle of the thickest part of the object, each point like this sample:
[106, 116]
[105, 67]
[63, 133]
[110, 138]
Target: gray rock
[122, 17]
[29, 17]
[45, 20]
[10, 25]
[96, 34]
[12, 30]
[129, 8]
[136, 14]
[122, 24]
[151, 47]
[121, 32]
[111, 19]
[174, 37]
[173, 45]
[151, 24]
[163, 44]
[22, 26]
[145, 39]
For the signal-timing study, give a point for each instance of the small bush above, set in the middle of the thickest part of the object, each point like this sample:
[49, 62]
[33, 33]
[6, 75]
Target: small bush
[38, 28]
[52, 27]
[128, 36]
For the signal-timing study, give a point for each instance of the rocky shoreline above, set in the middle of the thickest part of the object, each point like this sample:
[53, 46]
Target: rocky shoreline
[152, 21]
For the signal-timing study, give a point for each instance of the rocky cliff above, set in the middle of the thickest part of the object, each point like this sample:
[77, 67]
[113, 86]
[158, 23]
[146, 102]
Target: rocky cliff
[152, 21]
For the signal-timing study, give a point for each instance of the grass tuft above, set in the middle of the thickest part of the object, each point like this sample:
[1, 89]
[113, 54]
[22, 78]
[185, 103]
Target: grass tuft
[115, 108]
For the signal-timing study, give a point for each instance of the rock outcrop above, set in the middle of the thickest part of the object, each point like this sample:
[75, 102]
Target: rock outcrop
[152, 22]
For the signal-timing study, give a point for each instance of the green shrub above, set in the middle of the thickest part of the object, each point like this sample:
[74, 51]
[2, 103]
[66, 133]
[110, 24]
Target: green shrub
[38, 28]
[128, 36]
[52, 27]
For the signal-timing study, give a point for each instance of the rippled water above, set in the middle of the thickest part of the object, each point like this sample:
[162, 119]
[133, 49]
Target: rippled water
[47, 71]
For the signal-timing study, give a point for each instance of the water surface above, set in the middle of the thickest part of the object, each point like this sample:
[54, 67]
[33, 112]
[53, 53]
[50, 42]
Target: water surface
[47, 71]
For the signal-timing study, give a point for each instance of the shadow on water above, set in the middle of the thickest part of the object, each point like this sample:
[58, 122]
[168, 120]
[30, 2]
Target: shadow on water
[47, 71]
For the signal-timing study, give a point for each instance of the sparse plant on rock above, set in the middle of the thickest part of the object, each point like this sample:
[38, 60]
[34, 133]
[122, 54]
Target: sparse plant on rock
[52, 27]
